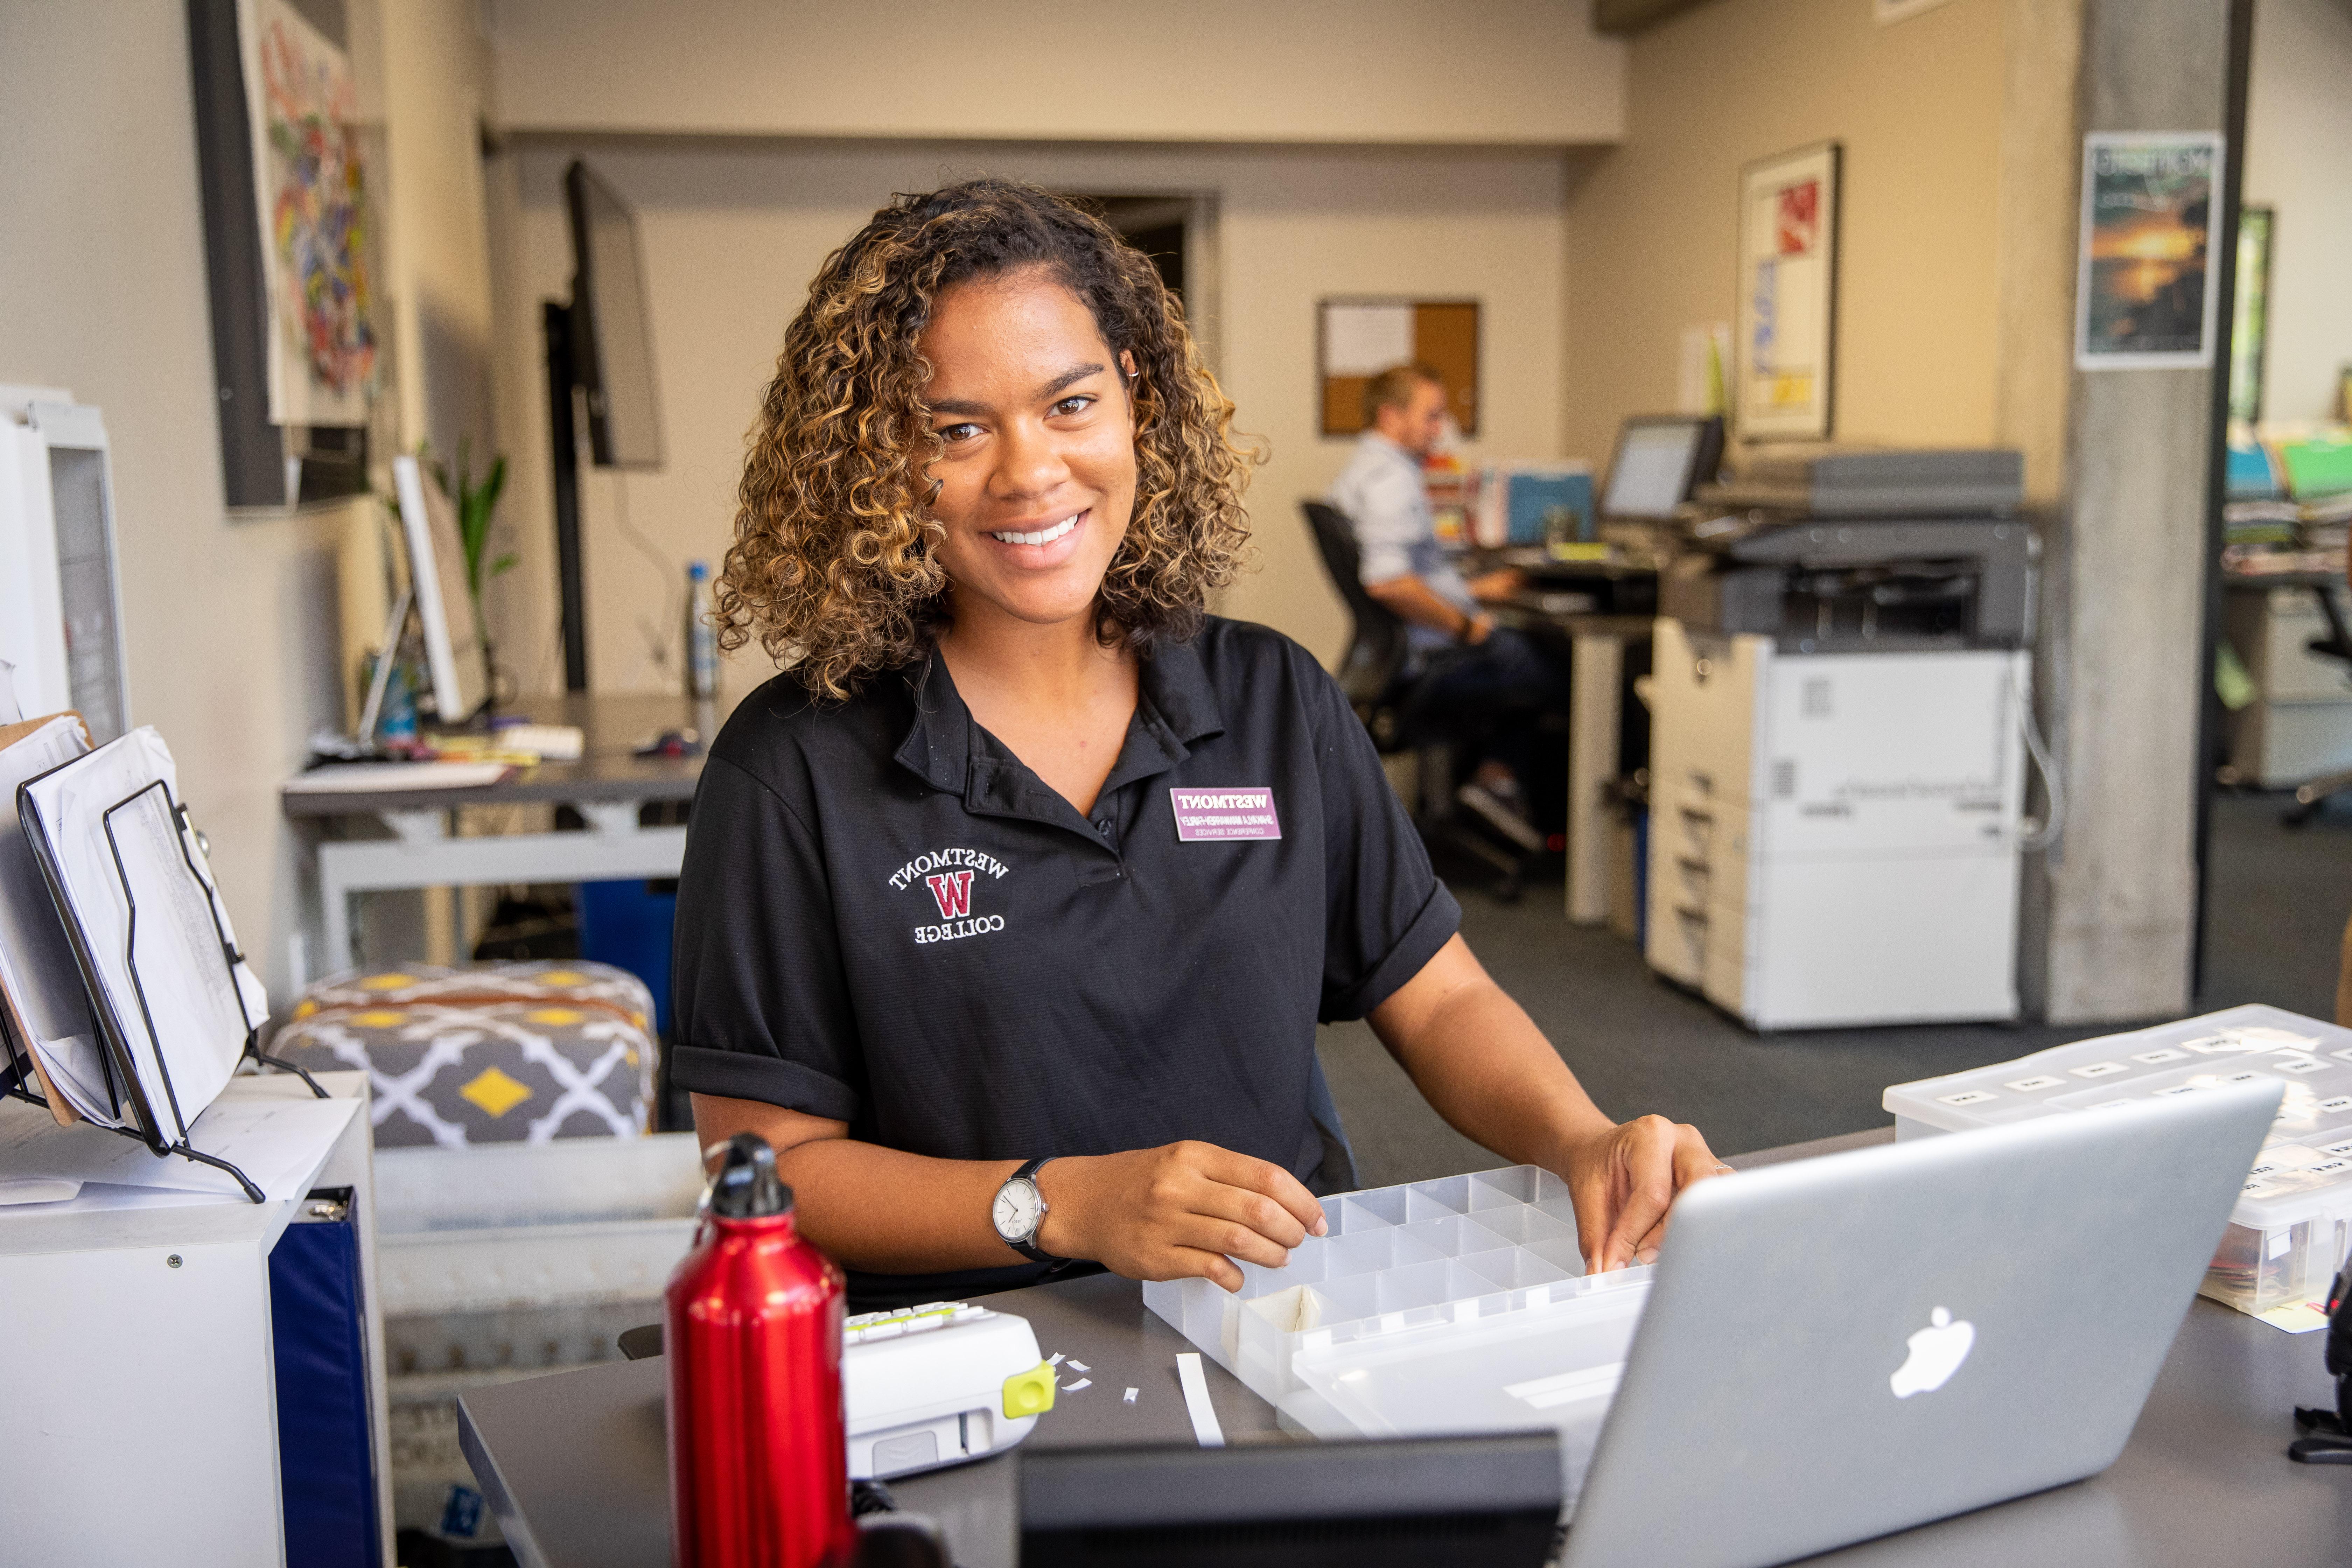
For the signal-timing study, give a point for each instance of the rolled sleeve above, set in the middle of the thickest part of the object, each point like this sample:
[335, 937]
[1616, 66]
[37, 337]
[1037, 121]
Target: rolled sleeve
[1386, 913]
[1388, 524]
[761, 1006]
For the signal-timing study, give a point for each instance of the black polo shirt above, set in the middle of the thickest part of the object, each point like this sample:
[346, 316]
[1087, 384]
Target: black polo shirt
[886, 918]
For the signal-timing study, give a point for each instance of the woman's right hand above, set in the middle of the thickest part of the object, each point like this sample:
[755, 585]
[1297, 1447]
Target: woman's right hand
[1180, 1211]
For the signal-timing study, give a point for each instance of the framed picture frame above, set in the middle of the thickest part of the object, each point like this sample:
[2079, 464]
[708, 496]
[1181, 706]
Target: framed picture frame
[1786, 342]
[2143, 293]
[1358, 336]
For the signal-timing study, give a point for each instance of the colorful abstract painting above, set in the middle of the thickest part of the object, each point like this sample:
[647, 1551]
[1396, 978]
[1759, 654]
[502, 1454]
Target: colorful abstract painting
[1788, 298]
[314, 217]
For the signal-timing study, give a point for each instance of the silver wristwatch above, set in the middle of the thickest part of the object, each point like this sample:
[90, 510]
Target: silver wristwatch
[1019, 1209]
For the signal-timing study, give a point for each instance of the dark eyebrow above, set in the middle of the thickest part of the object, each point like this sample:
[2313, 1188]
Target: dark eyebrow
[1068, 378]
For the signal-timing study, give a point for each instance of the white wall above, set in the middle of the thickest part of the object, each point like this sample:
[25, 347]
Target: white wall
[436, 73]
[232, 635]
[732, 235]
[1391, 71]
[1918, 106]
[2298, 137]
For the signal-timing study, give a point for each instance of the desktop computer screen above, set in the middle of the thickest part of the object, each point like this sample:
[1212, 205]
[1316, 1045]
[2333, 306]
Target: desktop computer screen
[1658, 459]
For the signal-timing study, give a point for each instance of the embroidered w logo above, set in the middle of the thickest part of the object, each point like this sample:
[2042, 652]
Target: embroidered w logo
[953, 890]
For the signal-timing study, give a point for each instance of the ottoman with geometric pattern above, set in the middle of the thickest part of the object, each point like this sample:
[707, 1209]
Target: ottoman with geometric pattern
[487, 1053]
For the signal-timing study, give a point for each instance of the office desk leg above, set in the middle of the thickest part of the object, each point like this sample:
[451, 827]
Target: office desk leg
[1597, 671]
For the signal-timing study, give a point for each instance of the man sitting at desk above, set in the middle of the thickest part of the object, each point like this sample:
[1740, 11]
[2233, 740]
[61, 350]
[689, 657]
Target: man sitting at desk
[1467, 666]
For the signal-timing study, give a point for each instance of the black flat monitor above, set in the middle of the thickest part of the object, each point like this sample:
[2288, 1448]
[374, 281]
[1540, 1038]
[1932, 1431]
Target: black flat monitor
[611, 335]
[1408, 1502]
[1659, 458]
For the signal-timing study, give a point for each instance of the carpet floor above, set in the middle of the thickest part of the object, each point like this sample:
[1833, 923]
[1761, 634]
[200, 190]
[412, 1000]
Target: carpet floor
[2275, 922]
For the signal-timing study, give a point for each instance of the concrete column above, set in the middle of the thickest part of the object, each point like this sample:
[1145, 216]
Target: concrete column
[2117, 464]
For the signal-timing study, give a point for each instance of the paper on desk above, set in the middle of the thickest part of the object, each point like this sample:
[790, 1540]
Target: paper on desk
[369, 778]
[37, 1189]
[274, 1142]
[41, 987]
[183, 1011]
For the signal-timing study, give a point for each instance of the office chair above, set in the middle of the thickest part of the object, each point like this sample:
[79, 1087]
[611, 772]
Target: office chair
[2310, 798]
[1373, 676]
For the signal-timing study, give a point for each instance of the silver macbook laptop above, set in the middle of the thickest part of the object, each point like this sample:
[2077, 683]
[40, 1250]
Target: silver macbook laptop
[1840, 1348]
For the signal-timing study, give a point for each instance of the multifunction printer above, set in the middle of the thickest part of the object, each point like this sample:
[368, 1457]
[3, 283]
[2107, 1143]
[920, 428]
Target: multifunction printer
[1840, 699]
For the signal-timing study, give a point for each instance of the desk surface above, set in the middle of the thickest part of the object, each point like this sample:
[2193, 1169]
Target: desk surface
[606, 770]
[576, 1467]
[2256, 582]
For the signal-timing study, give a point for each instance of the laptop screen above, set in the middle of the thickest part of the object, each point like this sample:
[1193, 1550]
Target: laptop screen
[1651, 473]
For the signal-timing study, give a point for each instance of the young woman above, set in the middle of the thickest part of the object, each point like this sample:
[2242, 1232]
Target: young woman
[1009, 908]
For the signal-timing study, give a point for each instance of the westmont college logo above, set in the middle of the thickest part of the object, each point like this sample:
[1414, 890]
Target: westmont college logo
[949, 875]
[953, 891]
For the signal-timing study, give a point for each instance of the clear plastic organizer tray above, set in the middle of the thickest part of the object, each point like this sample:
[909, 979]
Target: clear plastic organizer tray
[2289, 1231]
[1447, 1255]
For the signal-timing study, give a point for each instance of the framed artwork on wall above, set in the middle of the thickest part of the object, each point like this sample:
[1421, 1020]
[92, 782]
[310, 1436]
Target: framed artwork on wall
[1357, 338]
[1787, 339]
[2143, 299]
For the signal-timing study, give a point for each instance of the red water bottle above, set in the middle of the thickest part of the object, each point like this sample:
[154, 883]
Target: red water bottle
[759, 1461]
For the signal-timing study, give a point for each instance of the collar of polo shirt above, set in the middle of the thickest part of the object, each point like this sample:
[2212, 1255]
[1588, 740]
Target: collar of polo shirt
[946, 747]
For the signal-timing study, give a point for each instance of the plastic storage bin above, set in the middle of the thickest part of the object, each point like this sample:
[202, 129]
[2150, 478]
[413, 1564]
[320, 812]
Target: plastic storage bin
[1436, 1307]
[2289, 1231]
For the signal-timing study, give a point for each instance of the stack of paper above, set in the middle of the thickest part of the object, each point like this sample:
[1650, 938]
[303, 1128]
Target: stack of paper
[147, 924]
[43, 1003]
[275, 1141]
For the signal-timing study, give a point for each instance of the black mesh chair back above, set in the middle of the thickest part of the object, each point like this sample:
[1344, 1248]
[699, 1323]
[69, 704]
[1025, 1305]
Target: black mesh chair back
[1376, 652]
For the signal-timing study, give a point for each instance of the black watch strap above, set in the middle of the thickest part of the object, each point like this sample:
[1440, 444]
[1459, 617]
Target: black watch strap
[1029, 1250]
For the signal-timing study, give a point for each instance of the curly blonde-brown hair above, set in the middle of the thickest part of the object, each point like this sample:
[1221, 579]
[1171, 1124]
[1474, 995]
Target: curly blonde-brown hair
[835, 566]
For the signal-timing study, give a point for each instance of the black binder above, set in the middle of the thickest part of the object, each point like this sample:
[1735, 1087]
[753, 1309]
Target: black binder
[163, 1128]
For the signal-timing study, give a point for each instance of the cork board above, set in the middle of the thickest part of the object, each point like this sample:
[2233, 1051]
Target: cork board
[1357, 338]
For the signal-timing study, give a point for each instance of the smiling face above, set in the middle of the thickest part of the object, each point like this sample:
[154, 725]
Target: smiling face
[1037, 471]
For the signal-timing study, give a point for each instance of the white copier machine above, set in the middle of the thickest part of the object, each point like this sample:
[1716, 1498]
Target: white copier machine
[1841, 698]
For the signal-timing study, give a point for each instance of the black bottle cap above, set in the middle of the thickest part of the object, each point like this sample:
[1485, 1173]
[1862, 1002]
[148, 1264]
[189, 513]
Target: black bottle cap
[747, 1186]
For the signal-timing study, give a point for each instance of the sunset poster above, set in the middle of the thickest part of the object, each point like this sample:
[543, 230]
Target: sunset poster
[2144, 298]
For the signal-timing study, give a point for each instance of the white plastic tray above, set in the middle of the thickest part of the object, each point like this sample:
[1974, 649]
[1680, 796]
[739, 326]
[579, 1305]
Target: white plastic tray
[2292, 1224]
[1480, 1265]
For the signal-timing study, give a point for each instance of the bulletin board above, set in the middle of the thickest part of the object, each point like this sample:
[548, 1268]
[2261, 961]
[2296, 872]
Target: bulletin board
[1358, 337]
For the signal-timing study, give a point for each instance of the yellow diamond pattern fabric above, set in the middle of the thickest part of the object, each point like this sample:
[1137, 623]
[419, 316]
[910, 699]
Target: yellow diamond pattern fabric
[495, 1092]
[491, 1053]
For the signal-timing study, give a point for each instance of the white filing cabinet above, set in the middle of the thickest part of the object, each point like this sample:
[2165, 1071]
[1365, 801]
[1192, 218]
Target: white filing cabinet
[2300, 723]
[1834, 838]
[139, 1413]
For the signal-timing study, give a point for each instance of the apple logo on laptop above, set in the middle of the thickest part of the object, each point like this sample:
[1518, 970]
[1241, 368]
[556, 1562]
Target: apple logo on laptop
[1936, 1353]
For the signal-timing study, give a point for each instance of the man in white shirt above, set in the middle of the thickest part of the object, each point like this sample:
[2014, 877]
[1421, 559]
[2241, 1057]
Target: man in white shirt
[1468, 665]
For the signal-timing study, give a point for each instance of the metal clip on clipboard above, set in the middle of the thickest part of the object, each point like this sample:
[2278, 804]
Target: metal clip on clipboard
[116, 1055]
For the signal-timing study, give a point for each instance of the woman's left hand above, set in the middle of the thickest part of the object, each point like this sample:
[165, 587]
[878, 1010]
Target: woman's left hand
[1623, 1179]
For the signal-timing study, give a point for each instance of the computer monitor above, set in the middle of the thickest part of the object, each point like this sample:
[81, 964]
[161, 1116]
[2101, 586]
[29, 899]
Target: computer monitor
[612, 355]
[1659, 458]
[445, 611]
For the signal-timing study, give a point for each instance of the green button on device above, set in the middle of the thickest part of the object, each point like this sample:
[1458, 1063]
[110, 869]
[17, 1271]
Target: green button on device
[1029, 1392]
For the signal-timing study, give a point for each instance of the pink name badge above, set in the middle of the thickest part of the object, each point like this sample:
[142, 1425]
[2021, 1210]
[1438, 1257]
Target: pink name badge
[1224, 813]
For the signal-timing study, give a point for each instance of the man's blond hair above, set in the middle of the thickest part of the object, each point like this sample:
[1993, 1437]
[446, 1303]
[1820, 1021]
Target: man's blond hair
[1393, 388]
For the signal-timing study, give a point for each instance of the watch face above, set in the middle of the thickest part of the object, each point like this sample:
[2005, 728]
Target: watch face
[1016, 1213]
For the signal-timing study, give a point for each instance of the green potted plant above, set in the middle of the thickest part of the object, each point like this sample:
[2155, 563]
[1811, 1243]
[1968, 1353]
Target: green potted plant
[476, 508]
